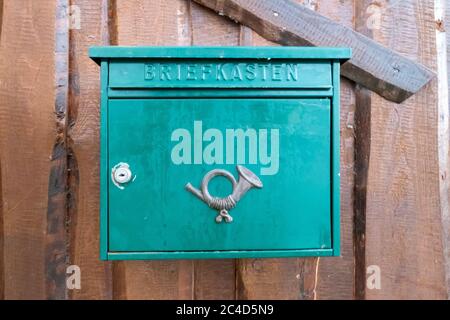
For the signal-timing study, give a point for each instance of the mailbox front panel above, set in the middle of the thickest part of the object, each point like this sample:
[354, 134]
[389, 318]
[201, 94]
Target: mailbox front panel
[219, 152]
[170, 142]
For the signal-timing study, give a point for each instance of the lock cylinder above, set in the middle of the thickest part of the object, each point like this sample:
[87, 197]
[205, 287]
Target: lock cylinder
[121, 174]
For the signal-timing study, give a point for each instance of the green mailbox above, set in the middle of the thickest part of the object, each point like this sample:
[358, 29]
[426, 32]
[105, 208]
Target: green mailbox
[219, 152]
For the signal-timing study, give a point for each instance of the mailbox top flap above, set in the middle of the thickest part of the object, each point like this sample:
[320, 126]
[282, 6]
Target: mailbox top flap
[263, 53]
[138, 71]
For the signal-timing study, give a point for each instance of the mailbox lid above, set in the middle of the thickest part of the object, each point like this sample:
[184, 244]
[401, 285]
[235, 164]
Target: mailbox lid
[155, 213]
[99, 53]
[220, 67]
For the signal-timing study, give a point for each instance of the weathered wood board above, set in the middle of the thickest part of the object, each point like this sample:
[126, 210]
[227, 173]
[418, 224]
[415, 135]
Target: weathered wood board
[83, 141]
[336, 279]
[169, 25]
[444, 36]
[285, 22]
[27, 137]
[309, 278]
[403, 228]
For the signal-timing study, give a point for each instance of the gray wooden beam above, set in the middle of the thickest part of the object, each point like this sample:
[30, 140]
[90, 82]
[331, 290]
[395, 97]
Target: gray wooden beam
[283, 21]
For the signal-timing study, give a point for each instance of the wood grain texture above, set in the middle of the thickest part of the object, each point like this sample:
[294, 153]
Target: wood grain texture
[404, 235]
[446, 224]
[163, 22]
[363, 98]
[27, 135]
[335, 278]
[161, 280]
[156, 22]
[209, 29]
[336, 275]
[277, 279]
[373, 66]
[441, 17]
[274, 278]
[1, 17]
[361, 169]
[215, 278]
[56, 234]
[84, 103]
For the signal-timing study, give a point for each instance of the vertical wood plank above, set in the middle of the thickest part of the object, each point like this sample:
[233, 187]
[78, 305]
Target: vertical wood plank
[27, 136]
[215, 278]
[441, 6]
[84, 103]
[1, 16]
[156, 23]
[209, 29]
[361, 162]
[447, 223]
[56, 235]
[141, 22]
[336, 275]
[361, 165]
[274, 278]
[312, 278]
[403, 234]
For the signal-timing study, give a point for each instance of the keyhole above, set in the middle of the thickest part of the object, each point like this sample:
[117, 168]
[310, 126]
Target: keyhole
[122, 174]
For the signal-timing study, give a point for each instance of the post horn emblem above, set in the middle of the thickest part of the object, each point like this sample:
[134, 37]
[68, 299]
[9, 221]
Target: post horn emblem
[247, 180]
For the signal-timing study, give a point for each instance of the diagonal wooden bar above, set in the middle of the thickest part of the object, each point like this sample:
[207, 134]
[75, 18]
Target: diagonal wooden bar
[375, 67]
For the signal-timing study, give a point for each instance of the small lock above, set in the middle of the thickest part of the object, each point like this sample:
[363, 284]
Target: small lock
[121, 174]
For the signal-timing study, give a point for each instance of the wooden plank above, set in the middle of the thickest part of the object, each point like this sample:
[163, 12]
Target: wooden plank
[373, 66]
[274, 278]
[335, 278]
[210, 30]
[83, 143]
[361, 169]
[215, 278]
[56, 235]
[27, 136]
[447, 222]
[139, 280]
[157, 23]
[444, 126]
[332, 277]
[336, 275]
[141, 22]
[361, 163]
[1, 17]
[277, 279]
[404, 230]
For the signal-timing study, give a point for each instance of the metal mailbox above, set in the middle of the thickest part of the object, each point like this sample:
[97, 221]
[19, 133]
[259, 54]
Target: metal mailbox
[219, 152]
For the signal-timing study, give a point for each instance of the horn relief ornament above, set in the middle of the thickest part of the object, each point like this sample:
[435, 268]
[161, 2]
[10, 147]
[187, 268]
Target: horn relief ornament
[247, 180]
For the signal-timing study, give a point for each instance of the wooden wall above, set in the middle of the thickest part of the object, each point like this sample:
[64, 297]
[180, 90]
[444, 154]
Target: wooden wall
[393, 195]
